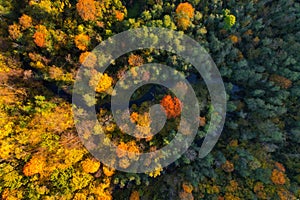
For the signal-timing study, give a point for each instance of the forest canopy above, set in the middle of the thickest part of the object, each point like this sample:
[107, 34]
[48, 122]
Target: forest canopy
[255, 46]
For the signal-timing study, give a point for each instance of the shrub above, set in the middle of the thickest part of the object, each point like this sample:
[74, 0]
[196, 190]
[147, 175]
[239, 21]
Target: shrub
[86, 9]
[82, 41]
[172, 106]
[184, 15]
[25, 21]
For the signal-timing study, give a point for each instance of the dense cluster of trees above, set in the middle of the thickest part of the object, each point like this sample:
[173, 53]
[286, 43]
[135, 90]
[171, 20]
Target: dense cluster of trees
[254, 44]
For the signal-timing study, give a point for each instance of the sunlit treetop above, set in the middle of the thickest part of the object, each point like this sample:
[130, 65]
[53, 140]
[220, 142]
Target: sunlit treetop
[25, 21]
[171, 105]
[184, 15]
[86, 9]
[185, 9]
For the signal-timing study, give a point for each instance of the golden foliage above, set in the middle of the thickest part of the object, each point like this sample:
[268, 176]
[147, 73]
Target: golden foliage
[127, 148]
[228, 166]
[86, 9]
[102, 190]
[6, 148]
[143, 123]
[285, 195]
[259, 190]
[277, 177]
[185, 10]
[183, 23]
[6, 125]
[80, 196]
[186, 196]
[25, 21]
[49, 6]
[108, 171]
[56, 73]
[234, 39]
[256, 40]
[90, 165]
[14, 31]
[187, 187]
[9, 194]
[72, 156]
[229, 196]
[82, 41]
[104, 83]
[232, 187]
[184, 15]
[101, 82]
[35, 165]
[89, 59]
[134, 117]
[135, 195]
[156, 172]
[135, 60]
[110, 127]
[59, 120]
[279, 166]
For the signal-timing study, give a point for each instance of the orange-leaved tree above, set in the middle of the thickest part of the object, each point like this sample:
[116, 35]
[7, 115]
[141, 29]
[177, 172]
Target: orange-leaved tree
[184, 15]
[86, 9]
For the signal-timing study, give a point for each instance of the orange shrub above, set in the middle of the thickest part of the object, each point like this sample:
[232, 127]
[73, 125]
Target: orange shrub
[280, 166]
[34, 166]
[135, 195]
[90, 165]
[101, 82]
[119, 15]
[278, 177]
[40, 36]
[86, 9]
[259, 190]
[130, 147]
[55, 73]
[234, 39]
[25, 21]
[184, 12]
[135, 60]
[172, 106]
[186, 196]
[187, 187]
[134, 117]
[232, 187]
[228, 166]
[284, 194]
[39, 39]
[229, 196]
[108, 171]
[14, 31]
[183, 23]
[82, 41]
[104, 83]
[90, 62]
